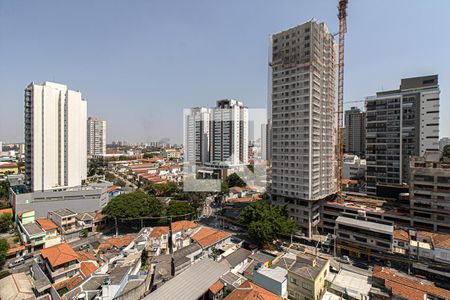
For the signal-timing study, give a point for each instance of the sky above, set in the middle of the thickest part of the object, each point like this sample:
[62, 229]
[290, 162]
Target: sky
[140, 63]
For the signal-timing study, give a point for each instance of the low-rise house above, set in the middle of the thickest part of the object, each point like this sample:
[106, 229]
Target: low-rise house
[17, 286]
[116, 243]
[67, 222]
[85, 220]
[354, 284]
[401, 241]
[60, 262]
[216, 291]
[181, 231]
[272, 279]
[209, 238]
[52, 236]
[31, 233]
[390, 284]
[8, 169]
[306, 277]
[238, 259]
[249, 290]
[436, 243]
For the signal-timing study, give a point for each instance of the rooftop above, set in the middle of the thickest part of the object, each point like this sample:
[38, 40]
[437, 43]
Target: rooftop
[249, 291]
[238, 256]
[59, 254]
[46, 224]
[366, 224]
[192, 283]
[208, 236]
[401, 235]
[33, 228]
[407, 287]
[16, 286]
[308, 266]
[64, 212]
[277, 274]
[87, 268]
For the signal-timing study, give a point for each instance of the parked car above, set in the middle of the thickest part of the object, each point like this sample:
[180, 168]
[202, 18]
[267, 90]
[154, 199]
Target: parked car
[361, 265]
[16, 263]
[344, 259]
[28, 256]
[84, 247]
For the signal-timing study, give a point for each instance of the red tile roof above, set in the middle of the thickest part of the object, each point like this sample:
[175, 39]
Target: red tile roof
[85, 255]
[401, 235]
[159, 231]
[243, 199]
[118, 242]
[407, 287]
[216, 287]
[6, 211]
[69, 284]
[14, 250]
[59, 254]
[8, 165]
[46, 224]
[438, 239]
[206, 236]
[87, 268]
[183, 225]
[251, 291]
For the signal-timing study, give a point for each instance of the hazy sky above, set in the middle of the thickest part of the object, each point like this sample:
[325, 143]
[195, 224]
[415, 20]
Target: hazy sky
[139, 63]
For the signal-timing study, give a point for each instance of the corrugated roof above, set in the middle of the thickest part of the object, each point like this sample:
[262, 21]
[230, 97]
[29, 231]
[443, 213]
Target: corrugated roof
[192, 283]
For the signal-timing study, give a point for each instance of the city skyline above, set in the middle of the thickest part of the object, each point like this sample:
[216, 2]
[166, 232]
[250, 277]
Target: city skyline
[110, 58]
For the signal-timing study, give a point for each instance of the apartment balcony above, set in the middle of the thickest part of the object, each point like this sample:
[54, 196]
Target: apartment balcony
[60, 271]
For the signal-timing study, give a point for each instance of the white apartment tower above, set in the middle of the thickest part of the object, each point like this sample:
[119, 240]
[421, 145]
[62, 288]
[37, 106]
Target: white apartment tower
[196, 135]
[55, 136]
[303, 136]
[96, 136]
[400, 123]
[229, 133]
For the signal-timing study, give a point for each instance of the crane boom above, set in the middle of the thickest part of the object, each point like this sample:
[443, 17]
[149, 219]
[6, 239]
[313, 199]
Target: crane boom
[342, 30]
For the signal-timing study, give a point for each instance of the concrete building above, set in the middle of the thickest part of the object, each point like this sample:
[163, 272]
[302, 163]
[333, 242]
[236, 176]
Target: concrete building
[353, 167]
[96, 136]
[358, 235]
[55, 136]
[229, 133]
[429, 191]
[306, 277]
[303, 104]
[400, 123]
[355, 131]
[197, 135]
[443, 142]
[81, 199]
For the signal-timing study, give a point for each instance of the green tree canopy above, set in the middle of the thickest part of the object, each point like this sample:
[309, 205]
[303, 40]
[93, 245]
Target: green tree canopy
[235, 180]
[264, 221]
[133, 205]
[446, 151]
[168, 189]
[4, 190]
[149, 155]
[177, 208]
[6, 222]
[3, 249]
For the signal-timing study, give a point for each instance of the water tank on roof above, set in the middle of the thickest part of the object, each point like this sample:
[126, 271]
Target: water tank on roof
[82, 296]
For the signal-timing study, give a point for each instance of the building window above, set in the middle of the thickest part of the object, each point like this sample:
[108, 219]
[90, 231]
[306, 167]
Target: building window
[307, 286]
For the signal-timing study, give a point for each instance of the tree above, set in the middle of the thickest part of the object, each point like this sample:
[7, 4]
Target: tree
[177, 208]
[196, 199]
[149, 155]
[6, 222]
[265, 222]
[3, 249]
[168, 189]
[133, 205]
[446, 151]
[235, 180]
[215, 253]
[84, 233]
[4, 190]
[224, 188]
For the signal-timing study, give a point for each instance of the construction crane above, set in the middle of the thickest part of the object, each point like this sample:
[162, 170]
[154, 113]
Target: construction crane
[342, 15]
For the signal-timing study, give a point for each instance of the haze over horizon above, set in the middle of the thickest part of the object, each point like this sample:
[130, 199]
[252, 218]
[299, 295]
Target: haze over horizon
[140, 63]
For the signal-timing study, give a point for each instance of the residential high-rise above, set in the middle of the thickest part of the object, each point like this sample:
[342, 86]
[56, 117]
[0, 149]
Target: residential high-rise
[399, 124]
[55, 136]
[355, 131]
[303, 108]
[96, 136]
[196, 136]
[229, 133]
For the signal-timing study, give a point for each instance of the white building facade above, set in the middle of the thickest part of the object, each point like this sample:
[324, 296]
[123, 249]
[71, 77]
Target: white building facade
[197, 135]
[303, 84]
[96, 136]
[55, 136]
